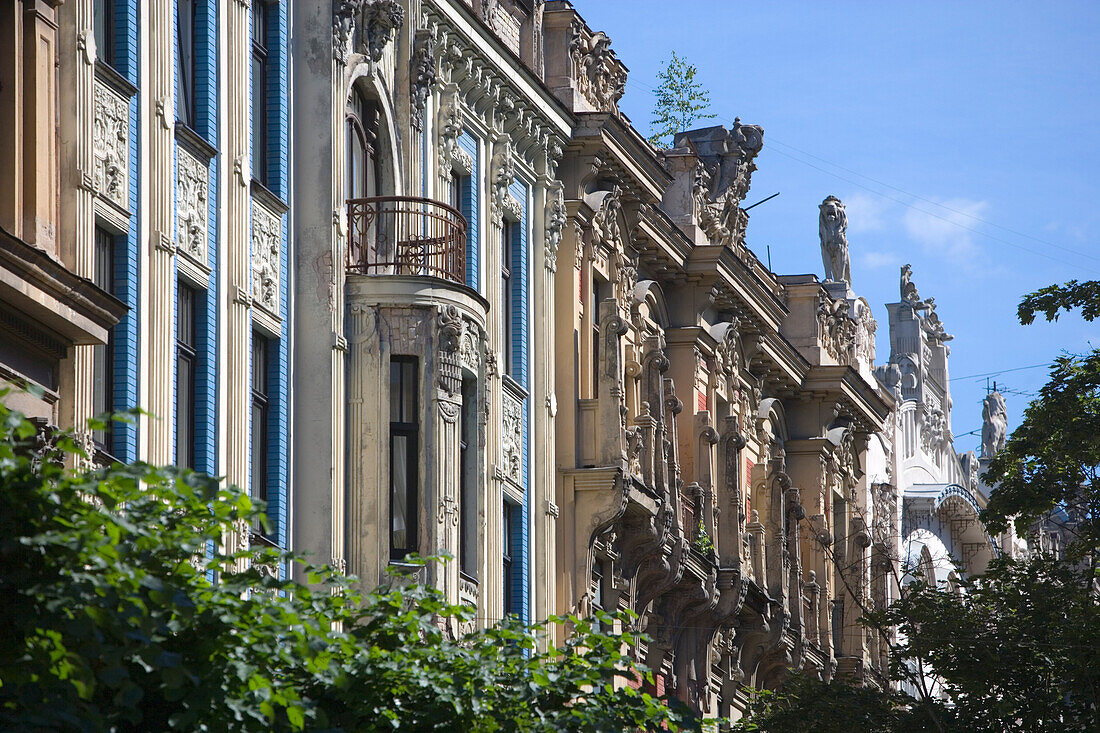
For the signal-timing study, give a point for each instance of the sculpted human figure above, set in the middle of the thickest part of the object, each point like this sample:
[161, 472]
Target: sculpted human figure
[832, 229]
[994, 424]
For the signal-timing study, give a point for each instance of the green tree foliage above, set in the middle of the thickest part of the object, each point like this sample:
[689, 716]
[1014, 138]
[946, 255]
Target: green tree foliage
[120, 612]
[807, 705]
[681, 100]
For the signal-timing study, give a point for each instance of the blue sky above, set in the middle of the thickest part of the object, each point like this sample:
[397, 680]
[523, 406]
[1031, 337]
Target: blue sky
[964, 139]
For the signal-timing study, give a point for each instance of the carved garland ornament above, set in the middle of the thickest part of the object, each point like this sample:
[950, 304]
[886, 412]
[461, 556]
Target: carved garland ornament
[423, 75]
[379, 19]
[600, 76]
[111, 145]
[448, 335]
[512, 439]
[555, 220]
[267, 241]
[503, 172]
[192, 205]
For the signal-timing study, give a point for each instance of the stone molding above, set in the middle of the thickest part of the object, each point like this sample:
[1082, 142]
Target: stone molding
[266, 256]
[192, 206]
[111, 145]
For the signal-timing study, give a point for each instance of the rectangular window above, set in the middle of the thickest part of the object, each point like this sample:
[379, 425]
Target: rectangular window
[467, 494]
[404, 454]
[260, 10]
[506, 566]
[186, 362]
[599, 289]
[185, 62]
[454, 191]
[506, 309]
[102, 354]
[260, 414]
[103, 20]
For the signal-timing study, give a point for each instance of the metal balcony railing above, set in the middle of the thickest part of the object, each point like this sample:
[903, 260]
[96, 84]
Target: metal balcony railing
[406, 235]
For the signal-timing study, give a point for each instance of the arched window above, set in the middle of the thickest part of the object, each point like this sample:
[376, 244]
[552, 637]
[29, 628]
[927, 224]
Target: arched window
[364, 174]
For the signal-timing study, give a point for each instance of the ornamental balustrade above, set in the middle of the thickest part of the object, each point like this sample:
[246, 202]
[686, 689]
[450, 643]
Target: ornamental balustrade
[406, 235]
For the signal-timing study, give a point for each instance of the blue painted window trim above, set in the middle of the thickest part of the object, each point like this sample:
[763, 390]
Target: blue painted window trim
[278, 131]
[206, 68]
[471, 205]
[520, 250]
[124, 441]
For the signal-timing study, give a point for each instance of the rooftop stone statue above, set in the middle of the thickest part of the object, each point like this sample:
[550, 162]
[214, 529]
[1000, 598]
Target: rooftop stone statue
[832, 228]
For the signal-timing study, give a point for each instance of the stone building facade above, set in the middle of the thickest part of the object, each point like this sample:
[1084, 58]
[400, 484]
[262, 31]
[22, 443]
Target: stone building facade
[451, 301]
[149, 147]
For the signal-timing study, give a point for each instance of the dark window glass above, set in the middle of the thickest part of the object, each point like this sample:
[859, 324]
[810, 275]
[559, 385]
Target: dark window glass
[103, 20]
[468, 480]
[364, 175]
[102, 354]
[404, 453]
[186, 358]
[185, 62]
[454, 191]
[260, 10]
[506, 566]
[506, 310]
[598, 290]
[260, 415]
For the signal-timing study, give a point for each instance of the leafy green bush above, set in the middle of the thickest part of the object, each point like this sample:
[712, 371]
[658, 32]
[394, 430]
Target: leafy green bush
[122, 609]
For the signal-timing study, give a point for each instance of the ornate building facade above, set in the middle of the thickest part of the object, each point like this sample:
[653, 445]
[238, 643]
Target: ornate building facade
[451, 301]
[149, 144]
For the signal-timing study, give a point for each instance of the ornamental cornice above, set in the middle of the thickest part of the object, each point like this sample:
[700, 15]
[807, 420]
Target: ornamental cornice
[491, 97]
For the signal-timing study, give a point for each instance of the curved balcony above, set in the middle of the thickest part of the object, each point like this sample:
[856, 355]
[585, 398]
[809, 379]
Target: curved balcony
[406, 235]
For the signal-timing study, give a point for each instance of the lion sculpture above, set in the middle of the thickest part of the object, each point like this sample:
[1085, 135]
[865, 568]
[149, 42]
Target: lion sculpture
[832, 228]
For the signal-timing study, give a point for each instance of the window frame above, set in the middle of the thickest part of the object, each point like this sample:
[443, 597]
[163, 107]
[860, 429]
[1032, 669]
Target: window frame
[186, 393]
[260, 415]
[187, 111]
[507, 562]
[260, 41]
[409, 430]
[103, 30]
[467, 487]
[507, 306]
[103, 358]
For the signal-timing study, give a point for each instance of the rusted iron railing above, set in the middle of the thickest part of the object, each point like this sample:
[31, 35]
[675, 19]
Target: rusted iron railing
[406, 235]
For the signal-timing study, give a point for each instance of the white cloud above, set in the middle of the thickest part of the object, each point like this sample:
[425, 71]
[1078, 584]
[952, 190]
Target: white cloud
[946, 230]
[876, 260]
[866, 213]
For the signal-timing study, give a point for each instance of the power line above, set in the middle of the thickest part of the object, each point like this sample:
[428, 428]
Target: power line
[1002, 371]
[937, 203]
[907, 204]
[935, 216]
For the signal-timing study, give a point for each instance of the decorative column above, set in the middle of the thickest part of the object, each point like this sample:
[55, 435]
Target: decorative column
[237, 251]
[548, 219]
[158, 185]
[77, 212]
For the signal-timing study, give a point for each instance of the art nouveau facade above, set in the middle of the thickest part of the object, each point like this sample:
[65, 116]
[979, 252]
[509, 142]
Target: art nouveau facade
[422, 294]
[451, 301]
[168, 203]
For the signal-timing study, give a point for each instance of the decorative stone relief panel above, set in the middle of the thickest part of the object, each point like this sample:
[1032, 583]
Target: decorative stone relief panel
[555, 220]
[503, 171]
[448, 342]
[376, 21]
[449, 127]
[111, 145]
[512, 439]
[423, 75]
[469, 348]
[267, 239]
[192, 205]
[600, 76]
